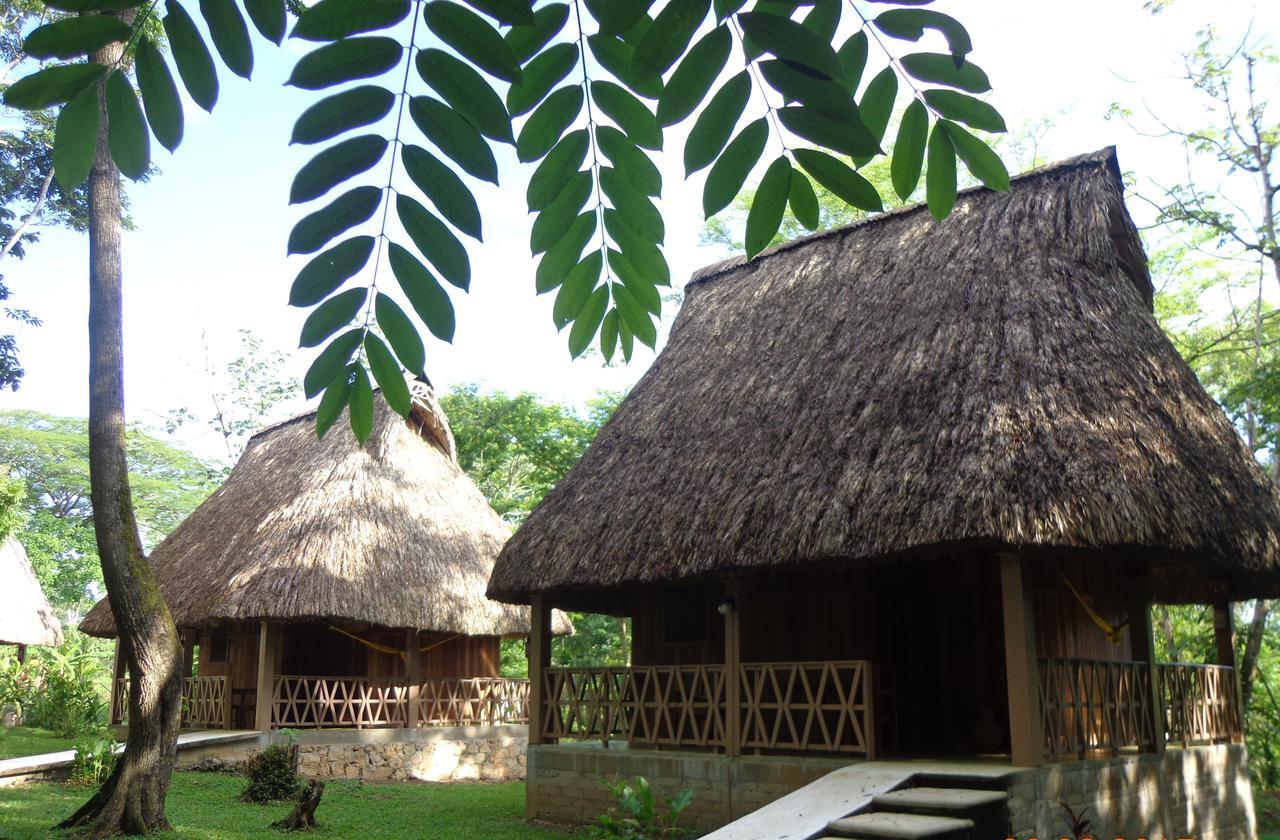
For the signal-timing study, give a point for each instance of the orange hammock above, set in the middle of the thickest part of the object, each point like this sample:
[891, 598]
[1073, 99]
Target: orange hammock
[1114, 632]
[381, 648]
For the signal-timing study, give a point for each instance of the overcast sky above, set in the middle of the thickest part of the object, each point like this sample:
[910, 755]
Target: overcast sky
[207, 257]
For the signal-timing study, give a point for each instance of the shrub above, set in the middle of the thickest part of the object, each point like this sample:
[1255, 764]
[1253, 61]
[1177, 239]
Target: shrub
[273, 774]
[64, 694]
[635, 816]
[96, 757]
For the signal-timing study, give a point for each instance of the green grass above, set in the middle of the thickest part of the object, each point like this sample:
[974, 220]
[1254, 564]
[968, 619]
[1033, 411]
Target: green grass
[29, 740]
[206, 806]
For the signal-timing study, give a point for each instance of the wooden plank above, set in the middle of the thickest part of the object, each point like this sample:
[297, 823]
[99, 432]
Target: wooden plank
[413, 676]
[732, 667]
[1026, 733]
[266, 678]
[539, 661]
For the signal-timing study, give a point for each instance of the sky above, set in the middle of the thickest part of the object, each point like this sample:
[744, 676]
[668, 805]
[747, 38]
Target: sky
[207, 258]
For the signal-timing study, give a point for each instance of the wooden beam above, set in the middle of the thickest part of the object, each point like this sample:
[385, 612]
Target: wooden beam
[114, 718]
[1224, 642]
[266, 676]
[731, 607]
[1142, 647]
[188, 654]
[412, 675]
[539, 658]
[1022, 671]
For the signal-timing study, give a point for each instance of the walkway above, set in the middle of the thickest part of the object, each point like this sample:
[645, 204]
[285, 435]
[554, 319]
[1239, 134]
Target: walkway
[30, 767]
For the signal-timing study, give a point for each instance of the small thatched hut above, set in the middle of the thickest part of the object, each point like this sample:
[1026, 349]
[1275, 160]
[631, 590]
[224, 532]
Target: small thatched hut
[25, 615]
[907, 487]
[339, 581]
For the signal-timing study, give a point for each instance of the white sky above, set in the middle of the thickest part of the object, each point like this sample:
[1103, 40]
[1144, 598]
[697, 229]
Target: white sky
[208, 253]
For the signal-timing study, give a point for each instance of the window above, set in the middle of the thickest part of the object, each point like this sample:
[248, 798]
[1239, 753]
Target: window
[219, 642]
[684, 615]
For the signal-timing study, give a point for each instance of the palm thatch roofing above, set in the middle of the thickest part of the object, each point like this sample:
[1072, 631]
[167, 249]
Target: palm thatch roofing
[25, 615]
[393, 533]
[899, 385]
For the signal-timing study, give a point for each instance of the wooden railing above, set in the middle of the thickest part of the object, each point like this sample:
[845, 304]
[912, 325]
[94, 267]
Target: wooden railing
[1200, 704]
[120, 701]
[786, 706]
[362, 703]
[204, 703]
[473, 701]
[1091, 706]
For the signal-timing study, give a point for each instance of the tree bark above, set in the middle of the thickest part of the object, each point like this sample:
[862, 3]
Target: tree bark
[131, 801]
[1252, 650]
[303, 815]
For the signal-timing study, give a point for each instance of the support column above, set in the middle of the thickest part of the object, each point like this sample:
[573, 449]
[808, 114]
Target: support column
[1022, 672]
[22, 654]
[1142, 648]
[188, 654]
[1224, 641]
[730, 606]
[412, 675]
[539, 659]
[267, 654]
[112, 713]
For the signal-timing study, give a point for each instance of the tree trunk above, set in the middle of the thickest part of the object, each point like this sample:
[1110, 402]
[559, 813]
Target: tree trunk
[303, 815]
[131, 801]
[1252, 650]
[1166, 630]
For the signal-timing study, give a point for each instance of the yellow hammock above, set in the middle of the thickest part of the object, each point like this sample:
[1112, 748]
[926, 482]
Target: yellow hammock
[1114, 633]
[380, 648]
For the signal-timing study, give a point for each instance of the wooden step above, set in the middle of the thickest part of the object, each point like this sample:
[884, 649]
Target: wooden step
[883, 825]
[936, 800]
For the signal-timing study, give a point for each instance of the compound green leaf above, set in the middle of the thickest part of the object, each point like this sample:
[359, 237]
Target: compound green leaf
[454, 136]
[561, 257]
[831, 99]
[334, 400]
[853, 58]
[75, 140]
[714, 126]
[783, 37]
[194, 61]
[587, 321]
[330, 20]
[576, 289]
[473, 37]
[693, 79]
[646, 257]
[335, 165]
[424, 292]
[634, 315]
[964, 108]
[877, 102]
[908, 151]
[331, 363]
[345, 61]
[557, 169]
[640, 287]
[849, 137]
[668, 38]
[74, 36]
[770, 202]
[127, 136]
[346, 211]
[629, 113]
[554, 221]
[546, 71]
[52, 85]
[941, 69]
[979, 159]
[361, 406]
[609, 335]
[387, 373]
[331, 316]
[629, 161]
[466, 92]
[401, 334]
[230, 35]
[910, 24]
[618, 16]
[268, 17]
[615, 56]
[436, 242]
[329, 269]
[730, 171]
[525, 40]
[803, 201]
[940, 178]
[342, 112]
[548, 122]
[634, 208]
[514, 13]
[840, 179]
[159, 94]
[445, 189]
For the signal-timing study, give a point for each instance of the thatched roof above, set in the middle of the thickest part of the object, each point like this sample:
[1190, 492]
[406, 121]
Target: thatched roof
[899, 384]
[25, 615]
[392, 533]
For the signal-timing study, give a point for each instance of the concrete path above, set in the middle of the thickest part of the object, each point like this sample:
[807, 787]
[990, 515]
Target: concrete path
[30, 767]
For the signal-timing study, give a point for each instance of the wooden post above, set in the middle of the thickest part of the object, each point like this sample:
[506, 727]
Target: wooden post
[188, 654]
[114, 713]
[266, 677]
[731, 607]
[1142, 648]
[412, 675]
[539, 658]
[22, 654]
[1022, 672]
[1224, 640]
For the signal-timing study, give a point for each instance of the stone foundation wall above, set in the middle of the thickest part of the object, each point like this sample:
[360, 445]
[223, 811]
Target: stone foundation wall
[496, 759]
[564, 782]
[1201, 793]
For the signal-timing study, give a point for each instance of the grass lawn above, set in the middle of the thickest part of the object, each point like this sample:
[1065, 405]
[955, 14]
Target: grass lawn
[28, 740]
[207, 806]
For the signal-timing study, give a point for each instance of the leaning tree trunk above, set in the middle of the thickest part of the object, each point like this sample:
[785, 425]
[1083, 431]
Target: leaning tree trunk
[131, 801]
[1253, 650]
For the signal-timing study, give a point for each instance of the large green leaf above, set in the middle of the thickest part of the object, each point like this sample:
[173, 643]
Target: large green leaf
[634, 315]
[527, 39]
[908, 151]
[548, 122]
[52, 85]
[616, 56]
[345, 61]
[609, 334]
[803, 201]
[553, 222]
[331, 363]
[940, 177]
[445, 189]
[268, 17]
[576, 289]
[342, 112]
[557, 169]
[330, 269]
[546, 71]
[514, 13]
[941, 69]
[334, 400]
[230, 35]
[877, 102]
[427, 297]
[330, 20]
[981, 161]
[159, 94]
[730, 171]
[831, 99]
[629, 113]
[454, 136]
[645, 256]
[473, 37]
[401, 334]
[386, 371]
[641, 287]
[840, 179]
[618, 16]
[631, 163]
[770, 202]
[434, 239]
[910, 24]
[853, 58]
[848, 137]
[194, 61]
[966, 109]
[714, 126]
[587, 321]
[76, 139]
[668, 37]
[346, 211]
[824, 19]
[335, 165]
[93, 5]
[127, 135]
[561, 257]
[331, 316]
[74, 36]
[693, 79]
[466, 92]
[361, 406]
[791, 41]
[634, 207]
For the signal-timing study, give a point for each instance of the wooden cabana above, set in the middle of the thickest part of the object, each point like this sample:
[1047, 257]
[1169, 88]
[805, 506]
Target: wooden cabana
[328, 584]
[25, 615]
[908, 488]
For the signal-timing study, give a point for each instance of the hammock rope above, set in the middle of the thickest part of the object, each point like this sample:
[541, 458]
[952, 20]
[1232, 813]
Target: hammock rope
[381, 648]
[1114, 632]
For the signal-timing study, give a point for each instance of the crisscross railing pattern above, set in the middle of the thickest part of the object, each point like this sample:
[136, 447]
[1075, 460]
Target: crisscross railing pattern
[320, 702]
[473, 701]
[1090, 705]
[808, 706]
[1200, 703]
[204, 702]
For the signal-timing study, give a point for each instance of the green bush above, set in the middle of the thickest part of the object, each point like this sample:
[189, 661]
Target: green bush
[635, 816]
[96, 757]
[273, 774]
[64, 694]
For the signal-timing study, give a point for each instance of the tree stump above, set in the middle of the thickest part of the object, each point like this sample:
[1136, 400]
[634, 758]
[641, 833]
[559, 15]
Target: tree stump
[303, 816]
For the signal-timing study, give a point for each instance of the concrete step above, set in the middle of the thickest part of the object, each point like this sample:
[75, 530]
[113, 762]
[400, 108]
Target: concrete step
[938, 800]
[883, 825]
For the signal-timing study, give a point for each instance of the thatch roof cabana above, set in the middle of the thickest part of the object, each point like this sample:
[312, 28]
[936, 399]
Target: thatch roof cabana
[901, 386]
[393, 533]
[25, 615]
